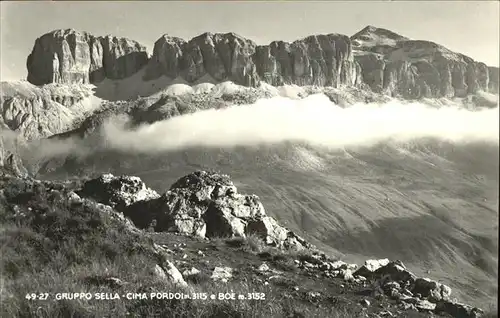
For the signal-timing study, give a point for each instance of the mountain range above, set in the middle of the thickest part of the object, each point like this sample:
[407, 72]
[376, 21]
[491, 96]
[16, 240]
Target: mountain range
[383, 60]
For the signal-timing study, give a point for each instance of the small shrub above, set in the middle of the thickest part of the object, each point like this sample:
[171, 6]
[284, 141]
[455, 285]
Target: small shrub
[255, 243]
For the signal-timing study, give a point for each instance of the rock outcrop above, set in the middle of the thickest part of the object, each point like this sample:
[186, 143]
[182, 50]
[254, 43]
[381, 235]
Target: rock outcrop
[392, 279]
[169, 273]
[36, 117]
[12, 165]
[68, 56]
[39, 112]
[458, 310]
[117, 192]
[222, 274]
[201, 204]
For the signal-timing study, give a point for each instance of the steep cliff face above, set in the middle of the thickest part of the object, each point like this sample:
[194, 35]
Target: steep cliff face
[220, 56]
[323, 60]
[68, 56]
[395, 65]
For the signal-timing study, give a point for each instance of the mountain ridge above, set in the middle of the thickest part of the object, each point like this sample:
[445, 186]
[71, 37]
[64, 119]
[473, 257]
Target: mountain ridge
[322, 60]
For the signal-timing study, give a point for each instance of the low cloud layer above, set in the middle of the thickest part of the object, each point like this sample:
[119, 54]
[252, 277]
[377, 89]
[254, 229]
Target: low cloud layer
[314, 120]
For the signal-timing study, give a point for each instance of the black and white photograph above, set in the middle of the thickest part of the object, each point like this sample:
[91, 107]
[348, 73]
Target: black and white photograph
[248, 159]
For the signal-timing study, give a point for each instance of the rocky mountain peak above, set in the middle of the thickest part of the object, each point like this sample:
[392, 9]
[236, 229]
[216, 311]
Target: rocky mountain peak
[373, 37]
[371, 30]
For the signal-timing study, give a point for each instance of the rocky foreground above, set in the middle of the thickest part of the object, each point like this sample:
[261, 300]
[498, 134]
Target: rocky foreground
[114, 234]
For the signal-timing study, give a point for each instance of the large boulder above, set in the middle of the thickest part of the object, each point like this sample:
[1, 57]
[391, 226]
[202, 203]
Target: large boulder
[117, 192]
[396, 271]
[200, 203]
[370, 266]
[274, 234]
[208, 204]
[391, 278]
[169, 273]
[431, 289]
[458, 310]
[69, 56]
[222, 274]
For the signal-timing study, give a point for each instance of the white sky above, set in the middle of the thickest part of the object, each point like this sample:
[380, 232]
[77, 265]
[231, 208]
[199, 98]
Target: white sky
[469, 27]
